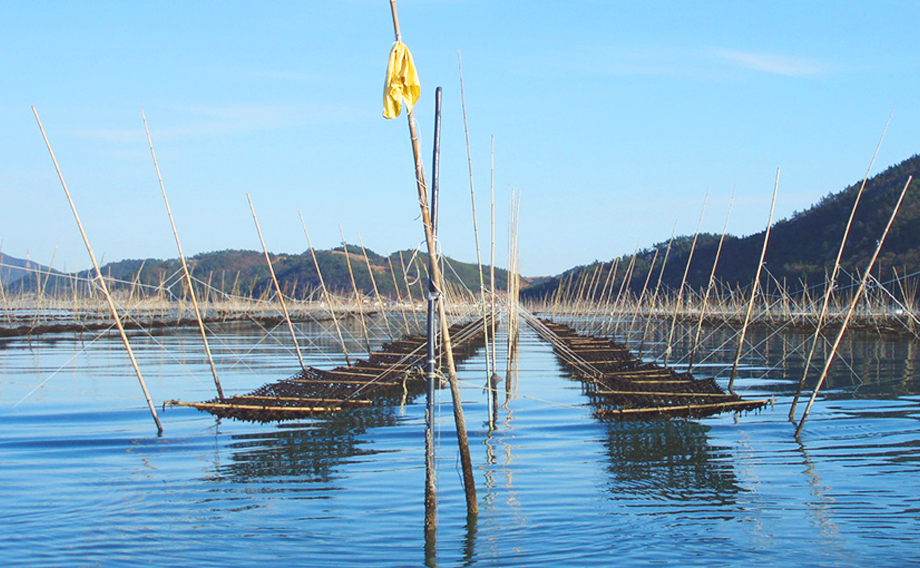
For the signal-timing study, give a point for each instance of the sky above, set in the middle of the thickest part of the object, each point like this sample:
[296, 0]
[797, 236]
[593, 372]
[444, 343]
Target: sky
[613, 121]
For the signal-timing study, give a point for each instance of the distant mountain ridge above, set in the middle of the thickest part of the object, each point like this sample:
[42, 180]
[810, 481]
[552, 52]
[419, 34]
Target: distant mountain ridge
[801, 249]
[243, 272]
[13, 269]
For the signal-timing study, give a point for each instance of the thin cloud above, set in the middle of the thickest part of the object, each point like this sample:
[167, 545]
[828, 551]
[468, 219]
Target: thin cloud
[776, 65]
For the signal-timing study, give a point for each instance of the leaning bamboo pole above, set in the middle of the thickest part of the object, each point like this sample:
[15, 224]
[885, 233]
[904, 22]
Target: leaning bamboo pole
[326, 296]
[678, 304]
[359, 301]
[101, 280]
[271, 271]
[710, 284]
[402, 311]
[185, 270]
[469, 482]
[482, 285]
[754, 287]
[370, 272]
[832, 282]
[624, 290]
[637, 311]
[654, 302]
[852, 307]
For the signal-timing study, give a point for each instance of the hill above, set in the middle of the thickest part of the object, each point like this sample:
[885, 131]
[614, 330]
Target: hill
[13, 269]
[802, 248]
[244, 272]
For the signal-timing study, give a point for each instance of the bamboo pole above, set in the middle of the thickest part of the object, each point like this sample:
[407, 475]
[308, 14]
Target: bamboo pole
[466, 464]
[358, 300]
[370, 272]
[185, 270]
[654, 303]
[405, 273]
[326, 296]
[754, 286]
[271, 271]
[6, 306]
[398, 293]
[832, 282]
[852, 308]
[624, 289]
[648, 278]
[101, 280]
[709, 286]
[482, 286]
[492, 256]
[683, 281]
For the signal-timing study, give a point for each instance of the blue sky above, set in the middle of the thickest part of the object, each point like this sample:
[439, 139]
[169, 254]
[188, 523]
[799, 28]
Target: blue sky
[612, 119]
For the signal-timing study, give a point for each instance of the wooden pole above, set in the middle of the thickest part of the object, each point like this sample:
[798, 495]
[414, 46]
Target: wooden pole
[482, 286]
[832, 283]
[683, 281]
[326, 296]
[185, 270]
[370, 272]
[654, 303]
[492, 259]
[402, 311]
[271, 270]
[755, 286]
[709, 286]
[465, 462]
[101, 280]
[852, 308]
[358, 300]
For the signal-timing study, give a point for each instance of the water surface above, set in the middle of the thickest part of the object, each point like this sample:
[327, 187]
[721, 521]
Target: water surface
[86, 481]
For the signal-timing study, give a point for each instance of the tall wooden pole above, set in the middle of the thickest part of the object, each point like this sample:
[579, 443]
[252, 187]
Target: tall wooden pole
[271, 271]
[832, 283]
[185, 270]
[755, 286]
[469, 482]
[101, 280]
[852, 308]
[326, 296]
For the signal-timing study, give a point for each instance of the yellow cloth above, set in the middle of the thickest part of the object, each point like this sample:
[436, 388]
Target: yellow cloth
[402, 82]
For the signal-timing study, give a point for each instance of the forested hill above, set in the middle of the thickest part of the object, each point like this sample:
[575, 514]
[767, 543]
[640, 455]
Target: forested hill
[802, 248]
[246, 273]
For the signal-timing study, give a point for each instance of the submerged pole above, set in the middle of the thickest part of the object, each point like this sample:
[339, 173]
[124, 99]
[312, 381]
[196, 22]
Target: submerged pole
[102, 285]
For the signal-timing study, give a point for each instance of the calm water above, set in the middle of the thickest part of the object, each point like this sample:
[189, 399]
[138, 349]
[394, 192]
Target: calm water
[85, 481]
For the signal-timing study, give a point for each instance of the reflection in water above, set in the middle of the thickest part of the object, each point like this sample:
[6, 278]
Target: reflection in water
[670, 460]
[820, 507]
[308, 452]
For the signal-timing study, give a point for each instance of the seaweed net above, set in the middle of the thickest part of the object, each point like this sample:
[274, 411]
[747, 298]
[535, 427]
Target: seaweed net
[396, 368]
[623, 387]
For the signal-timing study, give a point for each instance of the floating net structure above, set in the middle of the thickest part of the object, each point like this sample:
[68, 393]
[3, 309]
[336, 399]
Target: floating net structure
[395, 370]
[623, 387]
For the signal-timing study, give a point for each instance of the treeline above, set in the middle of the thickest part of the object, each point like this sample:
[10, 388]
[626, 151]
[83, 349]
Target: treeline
[245, 273]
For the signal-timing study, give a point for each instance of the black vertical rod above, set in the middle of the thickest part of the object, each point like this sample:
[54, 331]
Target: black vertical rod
[430, 476]
[436, 158]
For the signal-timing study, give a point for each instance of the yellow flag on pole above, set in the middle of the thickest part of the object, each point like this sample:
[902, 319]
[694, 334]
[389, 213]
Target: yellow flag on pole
[402, 82]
